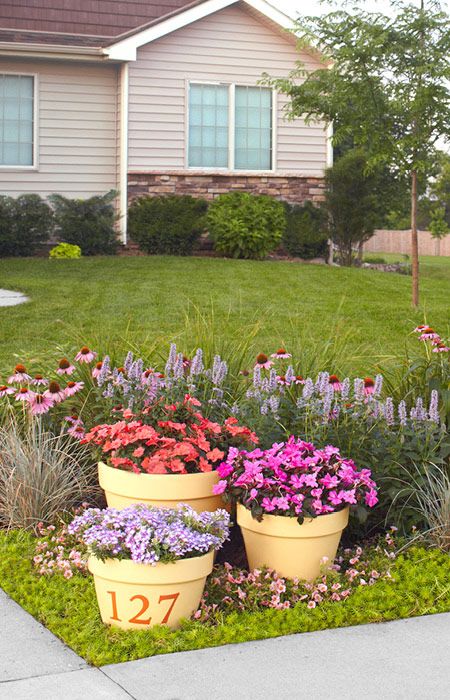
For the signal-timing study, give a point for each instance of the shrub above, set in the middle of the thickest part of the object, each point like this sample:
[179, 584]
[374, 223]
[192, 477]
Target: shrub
[375, 260]
[243, 225]
[305, 235]
[25, 223]
[65, 250]
[167, 225]
[87, 223]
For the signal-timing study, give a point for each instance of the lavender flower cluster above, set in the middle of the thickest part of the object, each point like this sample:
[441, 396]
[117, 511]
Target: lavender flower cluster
[135, 387]
[326, 399]
[149, 535]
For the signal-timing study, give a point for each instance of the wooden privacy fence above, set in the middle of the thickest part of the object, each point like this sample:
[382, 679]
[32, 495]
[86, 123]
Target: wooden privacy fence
[384, 241]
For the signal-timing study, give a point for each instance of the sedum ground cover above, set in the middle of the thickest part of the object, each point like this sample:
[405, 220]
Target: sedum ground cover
[419, 586]
[95, 301]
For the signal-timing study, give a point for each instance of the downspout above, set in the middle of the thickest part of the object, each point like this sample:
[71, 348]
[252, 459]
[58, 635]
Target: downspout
[123, 153]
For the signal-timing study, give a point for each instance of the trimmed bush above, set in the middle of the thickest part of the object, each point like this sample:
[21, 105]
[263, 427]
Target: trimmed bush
[65, 250]
[25, 223]
[305, 235]
[87, 223]
[244, 225]
[167, 225]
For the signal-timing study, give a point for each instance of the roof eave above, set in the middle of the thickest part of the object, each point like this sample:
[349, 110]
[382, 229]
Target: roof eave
[35, 50]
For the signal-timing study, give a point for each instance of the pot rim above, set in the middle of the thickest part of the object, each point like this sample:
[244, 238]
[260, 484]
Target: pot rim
[288, 526]
[128, 571]
[182, 486]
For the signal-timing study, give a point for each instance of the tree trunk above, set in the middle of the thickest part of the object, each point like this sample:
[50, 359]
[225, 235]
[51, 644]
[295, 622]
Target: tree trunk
[360, 252]
[414, 241]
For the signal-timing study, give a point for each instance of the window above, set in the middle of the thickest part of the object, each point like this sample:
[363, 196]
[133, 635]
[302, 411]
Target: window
[236, 138]
[16, 120]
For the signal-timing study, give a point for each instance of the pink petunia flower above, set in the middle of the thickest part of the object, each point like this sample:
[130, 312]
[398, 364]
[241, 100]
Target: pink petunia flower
[40, 404]
[85, 355]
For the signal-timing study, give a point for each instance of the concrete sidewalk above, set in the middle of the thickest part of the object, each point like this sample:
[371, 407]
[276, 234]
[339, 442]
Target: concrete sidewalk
[401, 660]
[8, 298]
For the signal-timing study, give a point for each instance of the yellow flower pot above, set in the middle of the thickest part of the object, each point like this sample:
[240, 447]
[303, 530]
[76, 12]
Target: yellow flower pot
[124, 488]
[293, 550]
[138, 596]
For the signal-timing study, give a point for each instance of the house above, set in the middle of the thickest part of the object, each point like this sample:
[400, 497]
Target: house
[151, 96]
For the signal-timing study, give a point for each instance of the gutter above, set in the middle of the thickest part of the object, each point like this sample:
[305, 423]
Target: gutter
[31, 50]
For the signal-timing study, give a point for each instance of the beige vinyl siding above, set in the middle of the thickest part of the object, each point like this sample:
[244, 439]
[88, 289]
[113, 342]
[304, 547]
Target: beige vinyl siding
[230, 46]
[76, 130]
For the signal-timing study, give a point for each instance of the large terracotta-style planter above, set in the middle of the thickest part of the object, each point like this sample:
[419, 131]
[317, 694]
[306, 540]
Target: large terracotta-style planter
[124, 488]
[138, 596]
[293, 550]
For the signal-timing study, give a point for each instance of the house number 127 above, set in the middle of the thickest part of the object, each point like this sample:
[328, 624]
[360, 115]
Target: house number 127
[139, 618]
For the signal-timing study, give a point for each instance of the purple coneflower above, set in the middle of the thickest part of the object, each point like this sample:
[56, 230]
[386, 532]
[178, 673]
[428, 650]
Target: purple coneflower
[73, 387]
[55, 393]
[24, 394]
[5, 390]
[369, 386]
[85, 355]
[39, 380]
[420, 329]
[64, 367]
[20, 375]
[281, 354]
[97, 370]
[334, 382]
[76, 431]
[440, 347]
[40, 403]
[263, 361]
[429, 334]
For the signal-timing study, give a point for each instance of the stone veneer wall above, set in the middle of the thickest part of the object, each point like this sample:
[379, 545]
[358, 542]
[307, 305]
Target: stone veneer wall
[291, 189]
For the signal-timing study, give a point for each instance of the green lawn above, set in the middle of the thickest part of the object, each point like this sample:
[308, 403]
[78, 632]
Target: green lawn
[146, 299]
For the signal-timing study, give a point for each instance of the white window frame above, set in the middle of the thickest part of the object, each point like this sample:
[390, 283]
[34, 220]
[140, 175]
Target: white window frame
[35, 164]
[230, 169]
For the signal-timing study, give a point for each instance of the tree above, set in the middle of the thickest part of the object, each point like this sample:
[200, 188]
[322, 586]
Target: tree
[351, 202]
[384, 82]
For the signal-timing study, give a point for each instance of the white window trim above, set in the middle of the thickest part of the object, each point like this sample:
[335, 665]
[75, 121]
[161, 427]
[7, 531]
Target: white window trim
[35, 165]
[230, 169]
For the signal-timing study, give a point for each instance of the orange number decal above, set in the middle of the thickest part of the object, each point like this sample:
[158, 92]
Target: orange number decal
[173, 598]
[137, 618]
[114, 616]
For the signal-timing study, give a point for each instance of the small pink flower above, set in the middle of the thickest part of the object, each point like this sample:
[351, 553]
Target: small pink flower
[219, 487]
[85, 355]
[281, 354]
[55, 393]
[440, 347]
[24, 394]
[98, 368]
[334, 382]
[5, 390]
[263, 361]
[73, 387]
[65, 367]
[20, 375]
[76, 431]
[311, 604]
[38, 380]
[40, 404]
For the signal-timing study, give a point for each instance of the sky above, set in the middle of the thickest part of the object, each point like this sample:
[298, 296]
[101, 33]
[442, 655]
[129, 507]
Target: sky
[312, 7]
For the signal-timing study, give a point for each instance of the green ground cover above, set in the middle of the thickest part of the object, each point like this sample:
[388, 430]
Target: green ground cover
[145, 300]
[419, 586]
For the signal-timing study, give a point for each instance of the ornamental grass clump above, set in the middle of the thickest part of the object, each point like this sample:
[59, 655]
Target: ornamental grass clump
[294, 479]
[168, 439]
[149, 535]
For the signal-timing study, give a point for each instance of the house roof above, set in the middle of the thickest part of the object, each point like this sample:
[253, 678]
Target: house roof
[86, 22]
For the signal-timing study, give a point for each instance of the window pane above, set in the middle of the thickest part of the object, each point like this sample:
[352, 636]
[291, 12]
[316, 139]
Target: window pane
[208, 126]
[16, 119]
[253, 135]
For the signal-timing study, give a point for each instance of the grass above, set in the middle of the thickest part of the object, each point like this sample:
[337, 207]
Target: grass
[145, 301]
[420, 586]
